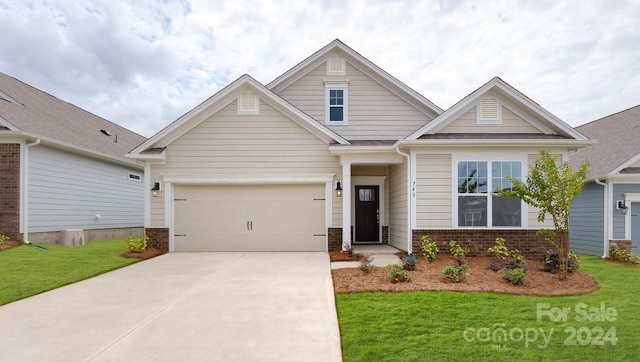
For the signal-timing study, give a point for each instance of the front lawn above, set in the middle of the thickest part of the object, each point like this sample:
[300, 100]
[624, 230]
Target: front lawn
[27, 270]
[465, 326]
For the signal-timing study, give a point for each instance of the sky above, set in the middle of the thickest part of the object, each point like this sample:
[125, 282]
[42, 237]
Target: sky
[144, 63]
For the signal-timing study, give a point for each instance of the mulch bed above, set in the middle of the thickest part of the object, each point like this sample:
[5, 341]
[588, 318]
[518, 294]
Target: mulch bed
[9, 244]
[427, 276]
[145, 254]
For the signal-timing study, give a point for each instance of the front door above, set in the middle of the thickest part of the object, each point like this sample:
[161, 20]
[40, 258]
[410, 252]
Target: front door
[367, 209]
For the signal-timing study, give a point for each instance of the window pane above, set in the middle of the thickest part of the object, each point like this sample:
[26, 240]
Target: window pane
[506, 211]
[366, 195]
[472, 177]
[472, 211]
[335, 114]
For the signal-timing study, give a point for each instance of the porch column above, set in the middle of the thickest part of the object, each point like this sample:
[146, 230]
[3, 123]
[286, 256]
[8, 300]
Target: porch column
[346, 203]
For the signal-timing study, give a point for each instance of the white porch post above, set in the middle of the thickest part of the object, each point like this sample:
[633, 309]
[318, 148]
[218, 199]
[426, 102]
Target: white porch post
[346, 203]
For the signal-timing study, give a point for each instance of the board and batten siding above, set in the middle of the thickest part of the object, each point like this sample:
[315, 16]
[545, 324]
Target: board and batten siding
[586, 221]
[68, 191]
[374, 113]
[232, 145]
[433, 191]
[398, 215]
[511, 123]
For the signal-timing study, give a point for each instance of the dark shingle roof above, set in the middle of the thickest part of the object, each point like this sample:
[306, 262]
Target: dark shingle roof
[617, 138]
[42, 115]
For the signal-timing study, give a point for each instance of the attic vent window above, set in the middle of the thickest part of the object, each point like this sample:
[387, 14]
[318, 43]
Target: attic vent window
[489, 111]
[336, 65]
[105, 132]
[248, 103]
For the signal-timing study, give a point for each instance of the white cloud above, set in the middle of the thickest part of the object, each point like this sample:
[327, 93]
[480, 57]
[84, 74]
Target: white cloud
[144, 64]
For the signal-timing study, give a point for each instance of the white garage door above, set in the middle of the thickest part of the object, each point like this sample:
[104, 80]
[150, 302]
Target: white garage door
[250, 218]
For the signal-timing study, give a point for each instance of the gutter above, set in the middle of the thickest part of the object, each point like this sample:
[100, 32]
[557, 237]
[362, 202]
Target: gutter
[606, 218]
[25, 187]
[409, 217]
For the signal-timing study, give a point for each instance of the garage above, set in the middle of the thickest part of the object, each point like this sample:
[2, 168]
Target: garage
[250, 217]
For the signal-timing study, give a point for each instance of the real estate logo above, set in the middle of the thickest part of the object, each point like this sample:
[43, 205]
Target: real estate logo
[593, 328]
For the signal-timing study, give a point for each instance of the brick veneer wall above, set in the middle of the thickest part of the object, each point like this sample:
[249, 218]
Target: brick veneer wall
[335, 239]
[158, 238]
[622, 244]
[385, 234]
[10, 190]
[530, 244]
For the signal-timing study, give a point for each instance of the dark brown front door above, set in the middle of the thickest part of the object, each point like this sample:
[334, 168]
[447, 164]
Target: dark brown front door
[367, 214]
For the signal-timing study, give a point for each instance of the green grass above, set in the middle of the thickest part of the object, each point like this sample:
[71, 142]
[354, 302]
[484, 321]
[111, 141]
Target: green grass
[420, 326]
[28, 271]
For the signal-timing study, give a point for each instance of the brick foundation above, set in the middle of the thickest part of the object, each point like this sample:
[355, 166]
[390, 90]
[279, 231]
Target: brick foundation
[622, 244]
[158, 238]
[335, 239]
[531, 245]
[10, 190]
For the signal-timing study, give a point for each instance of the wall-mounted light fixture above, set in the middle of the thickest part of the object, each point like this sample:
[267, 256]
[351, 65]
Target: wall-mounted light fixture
[622, 206]
[155, 188]
[338, 189]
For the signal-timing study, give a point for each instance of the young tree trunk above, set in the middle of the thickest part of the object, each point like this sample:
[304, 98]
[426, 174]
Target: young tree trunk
[563, 254]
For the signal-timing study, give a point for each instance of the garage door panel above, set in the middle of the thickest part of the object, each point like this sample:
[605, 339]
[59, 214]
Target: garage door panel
[249, 218]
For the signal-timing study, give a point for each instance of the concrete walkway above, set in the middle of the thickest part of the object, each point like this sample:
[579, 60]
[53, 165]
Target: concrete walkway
[183, 307]
[382, 255]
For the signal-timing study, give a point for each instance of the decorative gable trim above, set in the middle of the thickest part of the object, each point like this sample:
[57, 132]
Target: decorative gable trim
[248, 104]
[220, 100]
[489, 111]
[336, 65]
[505, 94]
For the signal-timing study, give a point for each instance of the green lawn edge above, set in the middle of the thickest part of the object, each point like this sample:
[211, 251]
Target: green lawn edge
[27, 270]
[431, 325]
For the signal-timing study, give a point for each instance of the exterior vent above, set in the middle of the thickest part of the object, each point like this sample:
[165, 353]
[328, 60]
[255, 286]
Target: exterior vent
[336, 65]
[248, 103]
[489, 112]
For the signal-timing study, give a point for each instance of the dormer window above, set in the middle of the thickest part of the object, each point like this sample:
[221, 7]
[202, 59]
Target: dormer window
[489, 111]
[336, 103]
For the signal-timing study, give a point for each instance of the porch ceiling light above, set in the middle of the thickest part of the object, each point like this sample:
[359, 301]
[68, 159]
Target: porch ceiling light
[338, 189]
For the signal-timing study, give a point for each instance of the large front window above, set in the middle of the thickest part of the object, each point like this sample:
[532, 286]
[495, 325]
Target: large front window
[477, 207]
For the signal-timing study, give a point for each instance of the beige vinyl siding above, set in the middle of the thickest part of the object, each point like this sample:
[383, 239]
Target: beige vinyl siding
[511, 123]
[375, 113]
[533, 211]
[433, 191]
[398, 217]
[228, 144]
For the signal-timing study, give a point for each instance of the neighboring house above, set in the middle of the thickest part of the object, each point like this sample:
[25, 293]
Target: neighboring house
[64, 168]
[336, 151]
[609, 207]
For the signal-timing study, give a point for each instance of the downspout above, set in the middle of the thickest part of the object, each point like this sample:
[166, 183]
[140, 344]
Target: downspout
[606, 218]
[409, 217]
[25, 188]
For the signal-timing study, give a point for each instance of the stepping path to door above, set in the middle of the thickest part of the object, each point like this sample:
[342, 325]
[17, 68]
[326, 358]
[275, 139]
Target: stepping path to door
[382, 255]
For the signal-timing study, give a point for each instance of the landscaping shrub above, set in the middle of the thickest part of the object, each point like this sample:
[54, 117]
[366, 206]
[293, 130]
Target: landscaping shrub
[3, 238]
[514, 264]
[396, 275]
[515, 275]
[500, 251]
[137, 244]
[552, 263]
[458, 252]
[365, 264]
[495, 265]
[456, 273]
[408, 262]
[429, 248]
[625, 256]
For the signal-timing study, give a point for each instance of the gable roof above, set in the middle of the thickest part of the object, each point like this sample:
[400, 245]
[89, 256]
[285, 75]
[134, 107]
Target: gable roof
[364, 65]
[151, 148]
[32, 113]
[617, 144]
[539, 117]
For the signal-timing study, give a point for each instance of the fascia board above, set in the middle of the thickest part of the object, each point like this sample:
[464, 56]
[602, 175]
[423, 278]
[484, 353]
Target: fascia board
[571, 144]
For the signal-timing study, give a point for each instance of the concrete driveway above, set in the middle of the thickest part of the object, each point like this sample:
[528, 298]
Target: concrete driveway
[183, 307]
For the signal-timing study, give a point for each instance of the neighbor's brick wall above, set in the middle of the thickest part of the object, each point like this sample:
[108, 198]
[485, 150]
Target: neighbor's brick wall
[158, 238]
[531, 245]
[10, 190]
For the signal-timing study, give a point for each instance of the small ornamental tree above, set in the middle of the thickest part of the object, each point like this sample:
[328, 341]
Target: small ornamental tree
[551, 186]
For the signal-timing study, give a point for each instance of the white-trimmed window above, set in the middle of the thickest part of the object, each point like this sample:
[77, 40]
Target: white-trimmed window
[477, 207]
[489, 111]
[336, 103]
[135, 176]
[248, 103]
